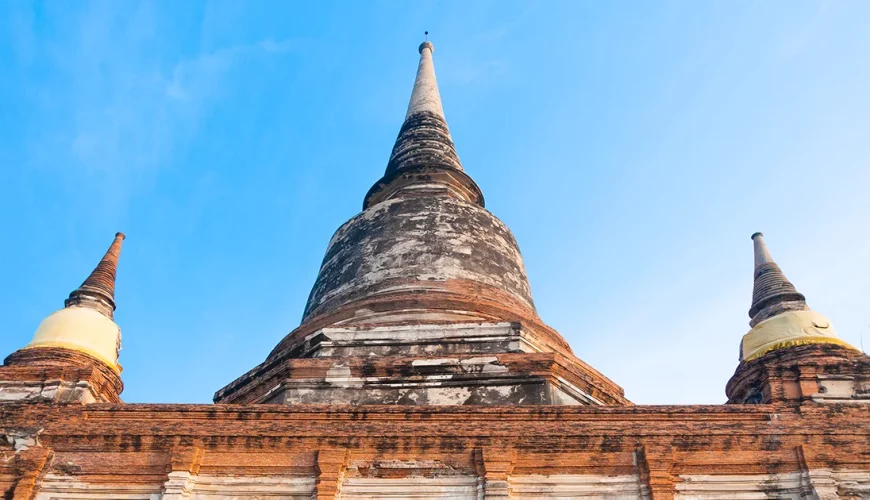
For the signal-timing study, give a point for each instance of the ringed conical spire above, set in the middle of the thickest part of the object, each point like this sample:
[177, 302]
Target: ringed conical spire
[772, 292]
[424, 159]
[424, 139]
[780, 315]
[98, 290]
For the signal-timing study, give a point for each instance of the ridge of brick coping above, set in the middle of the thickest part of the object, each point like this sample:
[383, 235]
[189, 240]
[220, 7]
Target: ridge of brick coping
[238, 412]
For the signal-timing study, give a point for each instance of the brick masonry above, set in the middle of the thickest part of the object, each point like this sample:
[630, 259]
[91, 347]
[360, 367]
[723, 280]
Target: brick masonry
[662, 449]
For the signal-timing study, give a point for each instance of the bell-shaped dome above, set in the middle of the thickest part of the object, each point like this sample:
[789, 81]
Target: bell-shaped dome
[439, 246]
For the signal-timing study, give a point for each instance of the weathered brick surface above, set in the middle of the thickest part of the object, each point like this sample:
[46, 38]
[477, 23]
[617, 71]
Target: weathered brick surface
[821, 372]
[73, 371]
[133, 443]
[518, 369]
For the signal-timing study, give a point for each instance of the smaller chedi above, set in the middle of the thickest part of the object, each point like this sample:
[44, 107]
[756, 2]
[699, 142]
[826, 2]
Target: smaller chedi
[780, 315]
[792, 352]
[73, 356]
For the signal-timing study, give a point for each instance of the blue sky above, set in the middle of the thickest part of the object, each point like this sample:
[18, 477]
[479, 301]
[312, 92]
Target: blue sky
[632, 147]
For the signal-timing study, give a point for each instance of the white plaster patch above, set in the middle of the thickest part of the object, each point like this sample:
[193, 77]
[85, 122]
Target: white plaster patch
[574, 393]
[838, 390]
[448, 395]
[48, 390]
[435, 362]
[61, 487]
[338, 370]
[789, 486]
[852, 484]
[16, 392]
[494, 369]
[566, 486]
[480, 360]
[252, 487]
[340, 375]
[452, 487]
[23, 439]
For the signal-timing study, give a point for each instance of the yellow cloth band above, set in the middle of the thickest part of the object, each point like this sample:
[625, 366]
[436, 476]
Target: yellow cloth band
[788, 329]
[81, 329]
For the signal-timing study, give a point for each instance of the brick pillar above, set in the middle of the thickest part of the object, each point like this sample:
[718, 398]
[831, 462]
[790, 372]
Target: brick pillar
[184, 464]
[30, 464]
[818, 479]
[654, 464]
[493, 467]
[330, 466]
[809, 382]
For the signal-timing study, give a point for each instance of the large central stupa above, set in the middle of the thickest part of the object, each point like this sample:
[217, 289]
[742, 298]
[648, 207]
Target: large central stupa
[423, 297]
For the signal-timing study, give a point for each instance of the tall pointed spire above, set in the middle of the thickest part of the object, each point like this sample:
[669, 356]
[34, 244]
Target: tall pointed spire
[98, 290]
[425, 96]
[424, 140]
[772, 293]
[424, 159]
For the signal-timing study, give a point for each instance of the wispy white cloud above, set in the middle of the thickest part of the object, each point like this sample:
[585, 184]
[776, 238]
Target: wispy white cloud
[119, 107]
[276, 46]
[195, 80]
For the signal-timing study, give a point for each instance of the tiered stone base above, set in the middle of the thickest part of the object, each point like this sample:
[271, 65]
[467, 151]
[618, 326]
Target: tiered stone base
[456, 364]
[824, 373]
[56, 375]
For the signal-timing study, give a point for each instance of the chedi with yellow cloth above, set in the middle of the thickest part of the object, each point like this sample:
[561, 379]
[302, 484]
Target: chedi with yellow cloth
[780, 317]
[86, 323]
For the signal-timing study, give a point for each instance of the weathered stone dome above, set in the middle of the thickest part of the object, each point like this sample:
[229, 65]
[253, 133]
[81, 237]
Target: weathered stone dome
[436, 245]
